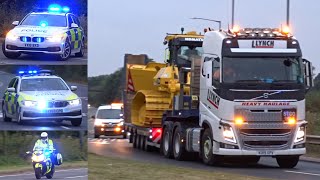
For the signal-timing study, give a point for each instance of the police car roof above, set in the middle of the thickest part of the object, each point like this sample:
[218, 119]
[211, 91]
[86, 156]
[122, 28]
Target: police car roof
[58, 14]
[38, 76]
[109, 107]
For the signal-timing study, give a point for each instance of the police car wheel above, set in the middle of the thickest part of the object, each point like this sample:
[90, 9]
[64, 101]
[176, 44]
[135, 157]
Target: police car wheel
[81, 53]
[66, 51]
[76, 122]
[10, 55]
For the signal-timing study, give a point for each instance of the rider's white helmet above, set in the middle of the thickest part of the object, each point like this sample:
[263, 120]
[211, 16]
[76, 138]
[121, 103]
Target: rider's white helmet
[44, 137]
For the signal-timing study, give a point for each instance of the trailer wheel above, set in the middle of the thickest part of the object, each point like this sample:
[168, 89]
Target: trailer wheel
[142, 142]
[287, 161]
[134, 140]
[206, 142]
[179, 151]
[138, 141]
[166, 143]
[146, 146]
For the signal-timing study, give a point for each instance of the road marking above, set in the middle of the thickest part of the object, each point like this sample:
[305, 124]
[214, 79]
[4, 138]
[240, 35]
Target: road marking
[75, 177]
[297, 172]
[78, 169]
[64, 127]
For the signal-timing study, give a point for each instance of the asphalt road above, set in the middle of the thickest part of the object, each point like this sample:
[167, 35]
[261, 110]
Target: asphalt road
[79, 174]
[82, 92]
[267, 167]
[41, 59]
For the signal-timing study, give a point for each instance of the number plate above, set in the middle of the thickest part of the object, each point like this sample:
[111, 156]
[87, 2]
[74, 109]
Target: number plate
[109, 129]
[265, 153]
[32, 45]
[53, 111]
[286, 113]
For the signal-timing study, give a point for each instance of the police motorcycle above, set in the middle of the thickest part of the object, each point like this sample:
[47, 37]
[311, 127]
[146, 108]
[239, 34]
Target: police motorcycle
[44, 161]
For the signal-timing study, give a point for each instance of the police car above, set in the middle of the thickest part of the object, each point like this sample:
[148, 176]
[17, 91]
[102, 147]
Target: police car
[55, 32]
[40, 96]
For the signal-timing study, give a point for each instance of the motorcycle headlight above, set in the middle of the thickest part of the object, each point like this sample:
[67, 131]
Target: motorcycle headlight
[12, 36]
[29, 103]
[74, 102]
[56, 38]
[38, 158]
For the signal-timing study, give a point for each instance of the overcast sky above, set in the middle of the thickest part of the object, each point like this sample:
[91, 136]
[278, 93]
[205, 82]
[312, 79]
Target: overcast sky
[117, 27]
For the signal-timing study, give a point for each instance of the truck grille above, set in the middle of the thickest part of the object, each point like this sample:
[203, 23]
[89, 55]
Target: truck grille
[264, 129]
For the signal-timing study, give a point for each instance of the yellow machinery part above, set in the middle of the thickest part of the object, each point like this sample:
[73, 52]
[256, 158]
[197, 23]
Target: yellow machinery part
[148, 107]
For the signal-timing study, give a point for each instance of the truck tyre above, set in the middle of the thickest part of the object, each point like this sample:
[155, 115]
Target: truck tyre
[287, 161]
[142, 141]
[179, 152]
[134, 140]
[206, 146]
[131, 137]
[166, 143]
[146, 146]
[10, 55]
[96, 135]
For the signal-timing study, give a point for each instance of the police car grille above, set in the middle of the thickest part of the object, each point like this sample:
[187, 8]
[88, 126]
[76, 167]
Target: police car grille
[57, 104]
[32, 39]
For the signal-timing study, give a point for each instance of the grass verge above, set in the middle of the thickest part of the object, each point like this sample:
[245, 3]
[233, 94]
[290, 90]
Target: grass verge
[28, 168]
[101, 167]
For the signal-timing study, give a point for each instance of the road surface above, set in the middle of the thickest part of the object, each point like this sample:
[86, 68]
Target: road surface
[82, 92]
[41, 59]
[79, 174]
[267, 167]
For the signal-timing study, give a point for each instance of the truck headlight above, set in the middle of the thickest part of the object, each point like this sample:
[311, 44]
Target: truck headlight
[74, 102]
[56, 38]
[29, 103]
[120, 123]
[12, 36]
[300, 134]
[228, 134]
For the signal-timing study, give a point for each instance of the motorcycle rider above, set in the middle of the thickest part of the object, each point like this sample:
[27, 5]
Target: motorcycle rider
[45, 143]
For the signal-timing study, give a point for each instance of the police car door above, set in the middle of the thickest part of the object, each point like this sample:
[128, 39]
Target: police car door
[10, 96]
[74, 33]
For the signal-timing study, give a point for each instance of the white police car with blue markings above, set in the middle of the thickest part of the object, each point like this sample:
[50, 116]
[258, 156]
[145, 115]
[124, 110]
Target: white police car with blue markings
[40, 96]
[55, 31]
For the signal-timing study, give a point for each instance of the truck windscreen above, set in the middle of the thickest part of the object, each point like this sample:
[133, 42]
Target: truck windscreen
[109, 114]
[186, 54]
[264, 70]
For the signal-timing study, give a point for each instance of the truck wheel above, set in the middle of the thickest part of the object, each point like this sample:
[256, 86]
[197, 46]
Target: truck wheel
[96, 135]
[287, 161]
[167, 143]
[206, 142]
[179, 152]
[76, 122]
[131, 137]
[10, 55]
[146, 146]
[134, 140]
[142, 141]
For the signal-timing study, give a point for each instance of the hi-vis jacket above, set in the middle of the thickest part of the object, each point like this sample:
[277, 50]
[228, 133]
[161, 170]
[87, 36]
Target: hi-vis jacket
[40, 145]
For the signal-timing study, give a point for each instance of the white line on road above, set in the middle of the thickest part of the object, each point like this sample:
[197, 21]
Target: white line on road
[75, 177]
[297, 172]
[64, 127]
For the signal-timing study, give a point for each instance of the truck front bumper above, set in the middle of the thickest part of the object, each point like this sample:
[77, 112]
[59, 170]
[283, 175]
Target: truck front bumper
[241, 152]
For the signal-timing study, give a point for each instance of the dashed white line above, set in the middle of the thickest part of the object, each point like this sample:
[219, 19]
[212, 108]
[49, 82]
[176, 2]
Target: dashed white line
[75, 177]
[305, 173]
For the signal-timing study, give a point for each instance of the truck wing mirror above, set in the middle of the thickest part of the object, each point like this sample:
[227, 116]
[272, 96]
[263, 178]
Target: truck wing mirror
[308, 72]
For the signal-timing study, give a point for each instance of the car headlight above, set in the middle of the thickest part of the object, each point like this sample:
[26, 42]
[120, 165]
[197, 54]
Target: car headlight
[38, 158]
[300, 134]
[12, 36]
[74, 102]
[42, 104]
[29, 103]
[56, 38]
[228, 134]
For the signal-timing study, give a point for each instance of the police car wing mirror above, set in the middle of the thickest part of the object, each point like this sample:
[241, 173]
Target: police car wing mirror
[74, 88]
[74, 25]
[11, 89]
[16, 23]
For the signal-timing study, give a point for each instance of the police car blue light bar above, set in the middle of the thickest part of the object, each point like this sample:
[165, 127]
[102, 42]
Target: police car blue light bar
[28, 72]
[57, 8]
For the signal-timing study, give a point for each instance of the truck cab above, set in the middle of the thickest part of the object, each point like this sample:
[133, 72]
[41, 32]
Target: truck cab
[109, 121]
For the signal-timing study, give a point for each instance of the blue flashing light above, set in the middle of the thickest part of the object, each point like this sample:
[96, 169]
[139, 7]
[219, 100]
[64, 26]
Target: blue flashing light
[65, 9]
[24, 39]
[54, 8]
[43, 23]
[31, 72]
[21, 72]
[34, 72]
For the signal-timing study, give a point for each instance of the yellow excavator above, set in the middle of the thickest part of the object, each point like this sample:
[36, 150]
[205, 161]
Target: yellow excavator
[154, 88]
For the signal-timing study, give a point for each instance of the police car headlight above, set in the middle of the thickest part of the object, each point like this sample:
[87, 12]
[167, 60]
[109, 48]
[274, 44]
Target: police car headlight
[12, 36]
[29, 103]
[74, 102]
[56, 38]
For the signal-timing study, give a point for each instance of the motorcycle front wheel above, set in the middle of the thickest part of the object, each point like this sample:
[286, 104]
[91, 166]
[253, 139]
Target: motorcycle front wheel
[37, 173]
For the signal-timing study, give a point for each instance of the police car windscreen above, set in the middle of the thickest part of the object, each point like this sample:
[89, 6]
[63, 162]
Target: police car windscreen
[48, 19]
[264, 70]
[43, 84]
[109, 114]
